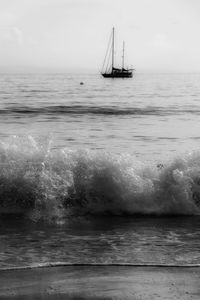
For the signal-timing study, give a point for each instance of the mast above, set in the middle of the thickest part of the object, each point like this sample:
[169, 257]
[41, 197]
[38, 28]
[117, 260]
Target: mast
[113, 46]
[123, 55]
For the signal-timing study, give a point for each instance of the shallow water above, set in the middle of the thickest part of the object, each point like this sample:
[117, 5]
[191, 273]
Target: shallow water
[138, 240]
[80, 162]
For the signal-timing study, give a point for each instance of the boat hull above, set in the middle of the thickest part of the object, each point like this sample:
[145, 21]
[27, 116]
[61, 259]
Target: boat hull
[118, 75]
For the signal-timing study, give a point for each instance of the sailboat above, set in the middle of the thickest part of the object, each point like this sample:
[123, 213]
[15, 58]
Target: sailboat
[110, 71]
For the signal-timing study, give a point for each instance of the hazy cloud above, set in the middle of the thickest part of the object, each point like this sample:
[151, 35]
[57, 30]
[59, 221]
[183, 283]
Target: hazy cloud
[17, 35]
[162, 42]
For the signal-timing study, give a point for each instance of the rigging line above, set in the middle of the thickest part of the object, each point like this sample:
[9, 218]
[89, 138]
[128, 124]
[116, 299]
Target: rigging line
[108, 47]
[108, 61]
[107, 50]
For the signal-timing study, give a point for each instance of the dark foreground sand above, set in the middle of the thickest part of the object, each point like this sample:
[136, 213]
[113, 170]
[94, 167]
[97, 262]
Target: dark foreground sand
[101, 282]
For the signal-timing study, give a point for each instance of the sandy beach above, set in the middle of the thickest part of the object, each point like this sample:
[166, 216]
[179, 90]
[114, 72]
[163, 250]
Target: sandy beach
[101, 282]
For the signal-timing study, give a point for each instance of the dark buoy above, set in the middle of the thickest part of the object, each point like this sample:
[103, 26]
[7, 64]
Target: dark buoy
[81, 83]
[160, 166]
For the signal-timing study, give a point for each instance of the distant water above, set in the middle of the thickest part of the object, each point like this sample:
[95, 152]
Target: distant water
[104, 172]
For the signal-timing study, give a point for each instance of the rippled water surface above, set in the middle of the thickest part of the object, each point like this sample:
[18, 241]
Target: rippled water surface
[140, 240]
[149, 115]
[80, 162]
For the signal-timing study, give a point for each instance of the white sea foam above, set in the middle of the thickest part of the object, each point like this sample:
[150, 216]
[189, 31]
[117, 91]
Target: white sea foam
[53, 185]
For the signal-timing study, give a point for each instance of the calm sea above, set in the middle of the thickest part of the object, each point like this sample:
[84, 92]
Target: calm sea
[107, 171]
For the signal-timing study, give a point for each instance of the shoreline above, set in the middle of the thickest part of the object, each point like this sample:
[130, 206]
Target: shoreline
[68, 264]
[101, 282]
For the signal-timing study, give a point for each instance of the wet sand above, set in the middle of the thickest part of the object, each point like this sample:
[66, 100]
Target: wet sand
[101, 282]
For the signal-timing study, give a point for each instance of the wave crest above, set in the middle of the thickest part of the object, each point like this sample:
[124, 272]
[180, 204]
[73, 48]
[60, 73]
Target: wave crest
[52, 184]
[98, 110]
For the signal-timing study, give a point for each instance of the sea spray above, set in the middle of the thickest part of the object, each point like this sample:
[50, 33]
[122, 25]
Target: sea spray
[53, 185]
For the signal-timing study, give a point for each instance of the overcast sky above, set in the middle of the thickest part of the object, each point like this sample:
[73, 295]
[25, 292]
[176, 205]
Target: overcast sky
[66, 35]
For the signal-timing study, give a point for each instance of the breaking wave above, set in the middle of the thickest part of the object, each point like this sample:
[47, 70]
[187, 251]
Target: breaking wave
[53, 185]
